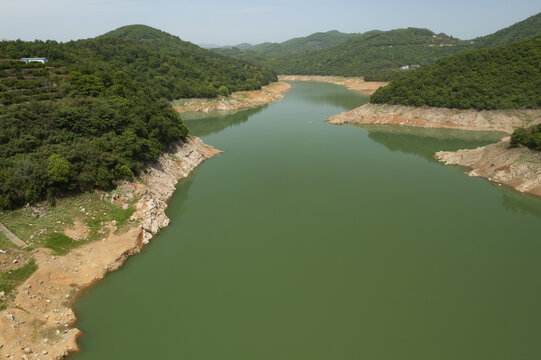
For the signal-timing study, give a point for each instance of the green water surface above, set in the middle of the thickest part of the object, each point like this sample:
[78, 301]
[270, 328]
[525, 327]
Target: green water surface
[321, 242]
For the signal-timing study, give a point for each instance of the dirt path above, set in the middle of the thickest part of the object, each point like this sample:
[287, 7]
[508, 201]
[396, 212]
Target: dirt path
[12, 237]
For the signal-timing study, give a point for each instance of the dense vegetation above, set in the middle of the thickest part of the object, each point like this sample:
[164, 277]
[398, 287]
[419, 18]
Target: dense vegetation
[530, 137]
[378, 55]
[99, 111]
[520, 31]
[375, 55]
[507, 77]
[316, 41]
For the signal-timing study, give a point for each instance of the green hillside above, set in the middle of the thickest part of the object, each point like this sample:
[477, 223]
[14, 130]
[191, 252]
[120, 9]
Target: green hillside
[378, 55]
[316, 41]
[507, 77]
[99, 110]
[520, 31]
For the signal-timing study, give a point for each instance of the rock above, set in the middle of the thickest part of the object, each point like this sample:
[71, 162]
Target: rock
[27, 350]
[44, 352]
[39, 211]
[10, 316]
[2, 294]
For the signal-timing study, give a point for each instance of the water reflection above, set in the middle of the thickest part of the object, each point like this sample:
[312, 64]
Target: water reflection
[203, 124]
[520, 203]
[425, 142]
[331, 95]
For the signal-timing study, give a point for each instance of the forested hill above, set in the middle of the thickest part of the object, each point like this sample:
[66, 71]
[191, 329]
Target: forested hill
[316, 41]
[520, 31]
[384, 55]
[98, 111]
[507, 77]
[375, 55]
[171, 67]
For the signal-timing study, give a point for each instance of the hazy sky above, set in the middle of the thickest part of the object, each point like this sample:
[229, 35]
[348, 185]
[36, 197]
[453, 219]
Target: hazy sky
[235, 21]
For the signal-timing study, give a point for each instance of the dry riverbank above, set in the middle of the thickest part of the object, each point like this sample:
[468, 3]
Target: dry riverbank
[352, 83]
[38, 323]
[239, 100]
[519, 168]
[474, 120]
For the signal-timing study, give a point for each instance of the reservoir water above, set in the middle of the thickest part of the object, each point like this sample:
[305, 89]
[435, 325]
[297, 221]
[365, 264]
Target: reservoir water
[309, 241]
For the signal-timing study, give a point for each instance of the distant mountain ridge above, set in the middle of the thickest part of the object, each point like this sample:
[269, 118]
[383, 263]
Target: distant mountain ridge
[315, 41]
[519, 31]
[380, 55]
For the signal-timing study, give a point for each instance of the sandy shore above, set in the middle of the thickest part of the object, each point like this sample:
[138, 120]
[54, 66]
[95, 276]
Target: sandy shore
[236, 101]
[38, 324]
[474, 120]
[352, 83]
[519, 168]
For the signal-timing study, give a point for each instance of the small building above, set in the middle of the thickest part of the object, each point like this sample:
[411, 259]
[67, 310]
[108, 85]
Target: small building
[29, 60]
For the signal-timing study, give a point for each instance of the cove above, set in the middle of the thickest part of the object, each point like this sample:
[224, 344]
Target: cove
[315, 241]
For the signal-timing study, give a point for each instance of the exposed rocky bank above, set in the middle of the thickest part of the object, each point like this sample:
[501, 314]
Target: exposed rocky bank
[519, 168]
[352, 83]
[236, 101]
[39, 323]
[474, 120]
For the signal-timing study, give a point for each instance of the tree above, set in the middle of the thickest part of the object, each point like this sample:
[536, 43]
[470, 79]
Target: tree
[58, 169]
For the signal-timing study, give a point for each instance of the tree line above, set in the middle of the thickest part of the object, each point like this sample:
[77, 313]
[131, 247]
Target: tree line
[110, 114]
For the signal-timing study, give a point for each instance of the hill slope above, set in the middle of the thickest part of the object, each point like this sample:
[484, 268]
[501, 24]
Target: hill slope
[507, 77]
[316, 41]
[97, 111]
[520, 31]
[376, 55]
[380, 55]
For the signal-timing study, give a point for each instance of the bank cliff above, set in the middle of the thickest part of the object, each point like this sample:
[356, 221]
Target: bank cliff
[352, 83]
[239, 100]
[473, 120]
[39, 322]
[519, 168]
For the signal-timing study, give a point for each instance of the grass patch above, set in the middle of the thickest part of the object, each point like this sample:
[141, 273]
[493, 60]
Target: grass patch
[5, 243]
[35, 231]
[59, 243]
[9, 280]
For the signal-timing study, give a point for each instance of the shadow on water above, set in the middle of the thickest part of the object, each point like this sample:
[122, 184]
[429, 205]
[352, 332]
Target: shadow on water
[203, 124]
[178, 207]
[520, 203]
[425, 142]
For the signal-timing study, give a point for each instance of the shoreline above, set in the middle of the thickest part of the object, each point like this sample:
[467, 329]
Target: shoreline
[39, 322]
[518, 168]
[239, 100]
[473, 120]
[352, 83]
